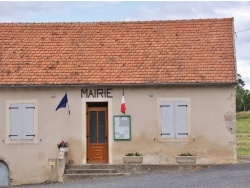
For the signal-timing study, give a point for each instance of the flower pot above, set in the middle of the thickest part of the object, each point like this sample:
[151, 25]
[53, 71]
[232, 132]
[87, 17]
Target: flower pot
[132, 159]
[186, 160]
[66, 149]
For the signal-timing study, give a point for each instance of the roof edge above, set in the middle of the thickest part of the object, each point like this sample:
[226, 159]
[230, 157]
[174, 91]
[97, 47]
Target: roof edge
[118, 22]
[122, 85]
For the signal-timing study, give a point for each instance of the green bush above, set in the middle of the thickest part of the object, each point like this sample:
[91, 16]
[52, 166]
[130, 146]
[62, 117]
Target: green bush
[133, 154]
[187, 154]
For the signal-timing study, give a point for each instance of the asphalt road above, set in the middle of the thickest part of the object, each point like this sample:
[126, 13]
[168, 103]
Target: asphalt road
[221, 176]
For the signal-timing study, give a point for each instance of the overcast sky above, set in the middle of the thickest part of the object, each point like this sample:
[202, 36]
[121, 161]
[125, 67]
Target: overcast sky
[86, 11]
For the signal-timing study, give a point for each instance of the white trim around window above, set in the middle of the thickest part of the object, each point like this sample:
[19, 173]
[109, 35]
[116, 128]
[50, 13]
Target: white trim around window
[21, 121]
[174, 119]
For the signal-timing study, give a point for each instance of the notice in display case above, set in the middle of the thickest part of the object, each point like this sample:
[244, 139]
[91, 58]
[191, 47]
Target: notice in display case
[122, 127]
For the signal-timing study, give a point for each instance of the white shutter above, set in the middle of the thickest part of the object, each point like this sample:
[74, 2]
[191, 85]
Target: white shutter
[28, 121]
[181, 119]
[167, 120]
[22, 121]
[15, 121]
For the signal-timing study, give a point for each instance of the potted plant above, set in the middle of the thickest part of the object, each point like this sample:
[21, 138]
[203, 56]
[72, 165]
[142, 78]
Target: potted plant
[186, 158]
[133, 158]
[63, 146]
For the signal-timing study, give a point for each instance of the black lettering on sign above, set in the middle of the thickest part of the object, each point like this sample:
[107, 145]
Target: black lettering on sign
[91, 94]
[84, 92]
[99, 93]
[96, 93]
[109, 93]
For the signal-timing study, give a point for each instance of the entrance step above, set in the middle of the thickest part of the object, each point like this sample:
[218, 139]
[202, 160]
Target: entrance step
[77, 172]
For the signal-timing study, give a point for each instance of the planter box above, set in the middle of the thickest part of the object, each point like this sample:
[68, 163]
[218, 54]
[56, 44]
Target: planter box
[133, 159]
[186, 160]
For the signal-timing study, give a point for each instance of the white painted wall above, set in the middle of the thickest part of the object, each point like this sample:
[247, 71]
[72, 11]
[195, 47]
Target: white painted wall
[211, 125]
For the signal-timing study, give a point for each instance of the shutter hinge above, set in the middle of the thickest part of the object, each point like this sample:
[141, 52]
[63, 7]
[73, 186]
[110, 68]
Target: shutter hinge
[165, 134]
[164, 105]
[13, 107]
[30, 135]
[13, 135]
[182, 133]
[30, 107]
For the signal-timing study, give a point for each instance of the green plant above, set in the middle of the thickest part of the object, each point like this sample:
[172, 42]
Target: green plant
[133, 154]
[243, 133]
[137, 154]
[187, 154]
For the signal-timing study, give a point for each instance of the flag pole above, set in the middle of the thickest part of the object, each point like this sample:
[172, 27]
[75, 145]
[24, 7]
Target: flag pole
[68, 102]
[68, 108]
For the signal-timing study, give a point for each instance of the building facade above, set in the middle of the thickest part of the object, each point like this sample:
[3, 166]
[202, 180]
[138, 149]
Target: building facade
[177, 77]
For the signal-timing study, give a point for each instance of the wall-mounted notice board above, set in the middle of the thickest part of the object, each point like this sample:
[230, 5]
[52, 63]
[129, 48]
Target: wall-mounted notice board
[122, 127]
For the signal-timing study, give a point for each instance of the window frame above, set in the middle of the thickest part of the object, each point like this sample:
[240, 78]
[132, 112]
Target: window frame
[160, 101]
[9, 103]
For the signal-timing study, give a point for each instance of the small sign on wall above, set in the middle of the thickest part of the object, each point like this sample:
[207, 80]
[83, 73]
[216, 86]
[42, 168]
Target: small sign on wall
[122, 127]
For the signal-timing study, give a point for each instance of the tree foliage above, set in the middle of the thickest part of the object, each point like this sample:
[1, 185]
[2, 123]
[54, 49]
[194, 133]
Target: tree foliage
[242, 96]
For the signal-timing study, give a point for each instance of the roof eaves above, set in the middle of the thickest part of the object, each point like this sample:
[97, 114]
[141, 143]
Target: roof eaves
[123, 85]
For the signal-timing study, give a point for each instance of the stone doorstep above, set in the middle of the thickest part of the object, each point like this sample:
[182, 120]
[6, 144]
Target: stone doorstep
[90, 166]
[78, 172]
[89, 171]
[70, 177]
[74, 172]
[138, 167]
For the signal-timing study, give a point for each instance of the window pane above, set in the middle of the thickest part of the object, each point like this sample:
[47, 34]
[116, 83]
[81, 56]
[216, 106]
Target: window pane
[101, 118]
[93, 127]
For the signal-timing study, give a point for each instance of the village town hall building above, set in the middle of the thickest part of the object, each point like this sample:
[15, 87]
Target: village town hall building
[177, 79]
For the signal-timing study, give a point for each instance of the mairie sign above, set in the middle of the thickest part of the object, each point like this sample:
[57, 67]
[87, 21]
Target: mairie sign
[96, 93]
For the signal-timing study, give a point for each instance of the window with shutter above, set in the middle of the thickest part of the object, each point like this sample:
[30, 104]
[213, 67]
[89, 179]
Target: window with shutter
[174, 119]
[22, 121]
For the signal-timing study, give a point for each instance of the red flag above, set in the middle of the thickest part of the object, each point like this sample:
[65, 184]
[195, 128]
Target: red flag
[123, 105]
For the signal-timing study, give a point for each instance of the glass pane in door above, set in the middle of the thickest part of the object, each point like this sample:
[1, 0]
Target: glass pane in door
[93, 127]
[101, 118]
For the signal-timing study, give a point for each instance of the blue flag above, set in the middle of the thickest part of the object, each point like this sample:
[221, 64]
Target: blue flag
[63, 102]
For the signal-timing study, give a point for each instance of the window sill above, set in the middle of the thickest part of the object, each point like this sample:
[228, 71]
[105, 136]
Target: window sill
[9, 141]
[173, 140]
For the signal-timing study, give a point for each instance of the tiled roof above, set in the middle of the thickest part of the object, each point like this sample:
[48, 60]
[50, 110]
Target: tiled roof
[163, 52]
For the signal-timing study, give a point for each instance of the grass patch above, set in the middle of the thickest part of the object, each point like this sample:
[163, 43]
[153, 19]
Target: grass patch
[243, 133]
[242, 115]
[243, 151]
[242, 138]
[243, 126]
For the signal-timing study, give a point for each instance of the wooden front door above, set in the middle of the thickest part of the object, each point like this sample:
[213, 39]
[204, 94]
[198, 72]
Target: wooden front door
[97, 135]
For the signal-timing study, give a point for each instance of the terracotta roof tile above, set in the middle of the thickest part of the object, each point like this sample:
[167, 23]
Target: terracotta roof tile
[185, 51]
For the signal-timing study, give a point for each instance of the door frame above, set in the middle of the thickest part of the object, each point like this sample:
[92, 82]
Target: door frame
[84, 127]
[97, 145]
